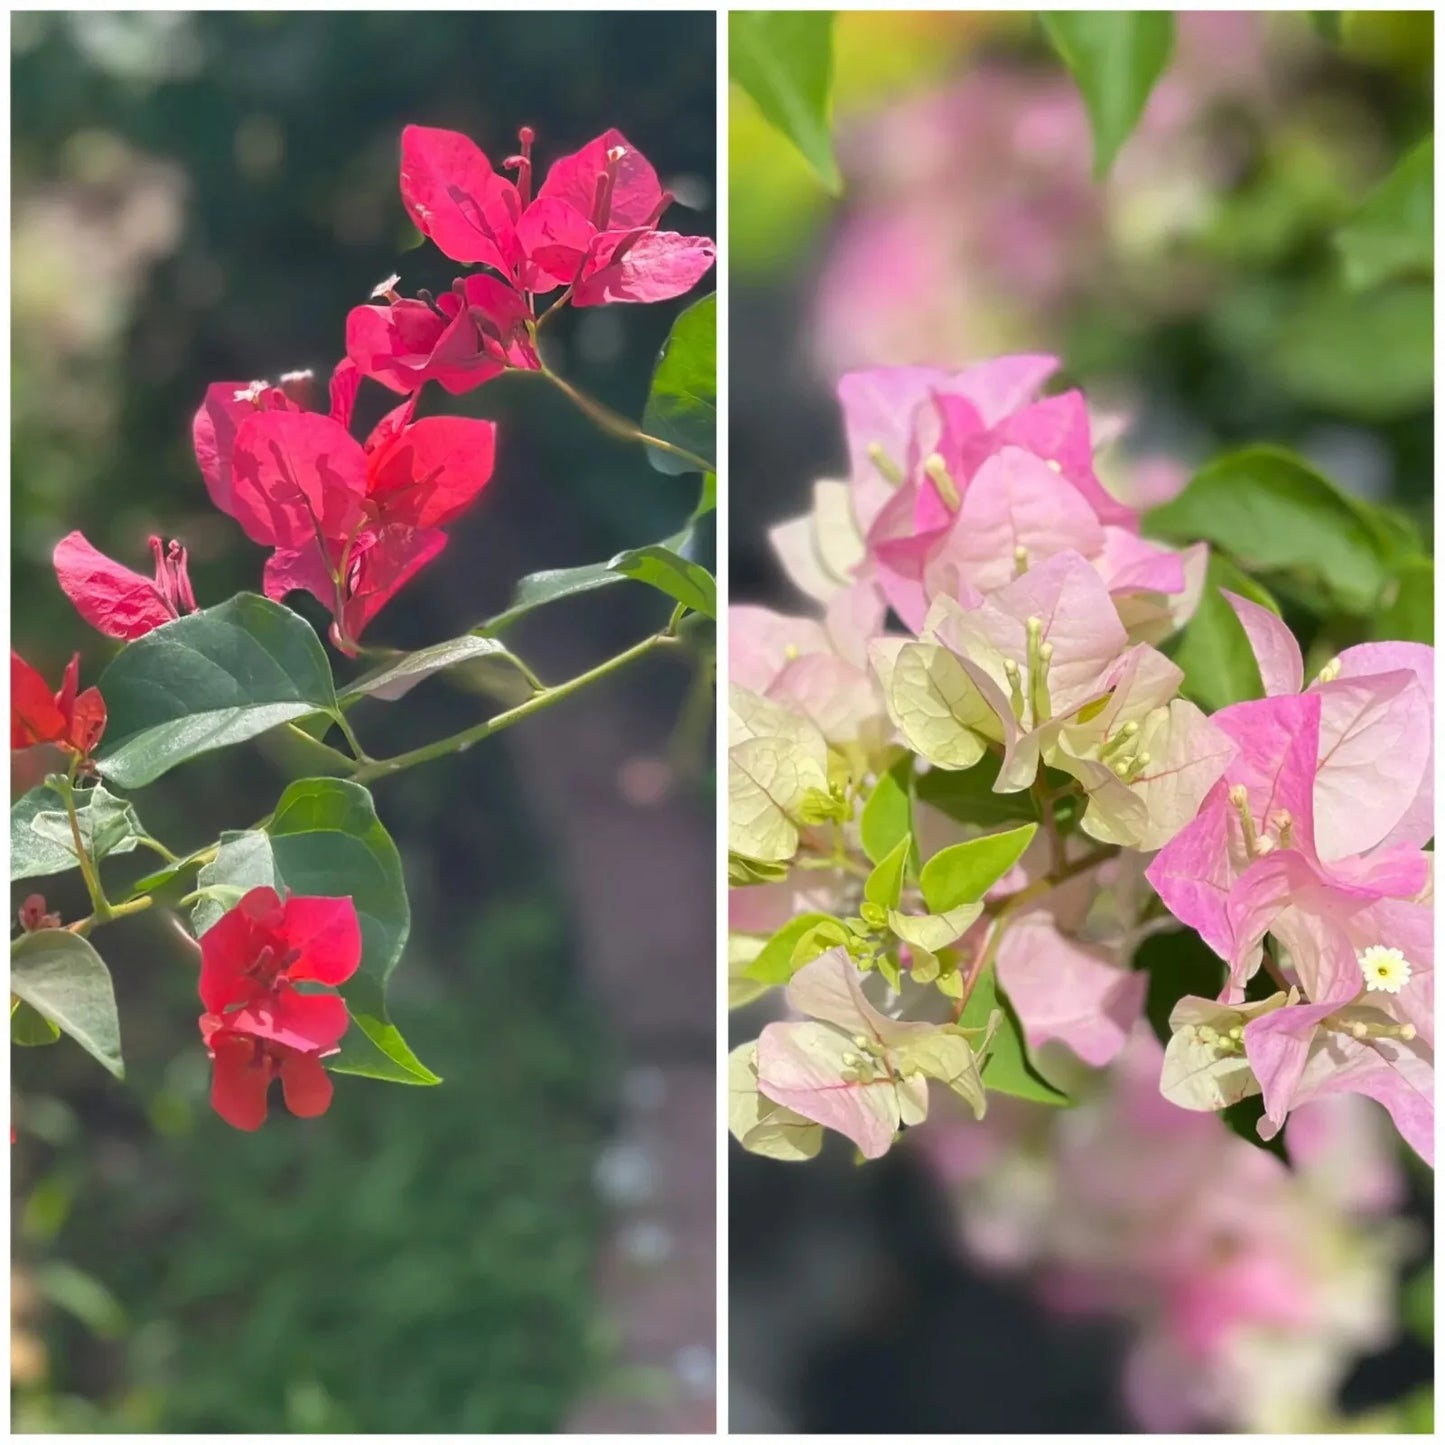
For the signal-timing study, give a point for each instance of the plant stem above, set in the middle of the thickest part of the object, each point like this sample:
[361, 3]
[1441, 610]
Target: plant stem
[352, 741]
[619, 426]
[156, 846]
[87, 867]
[111, 912]
[460, 742]
[1051, 823]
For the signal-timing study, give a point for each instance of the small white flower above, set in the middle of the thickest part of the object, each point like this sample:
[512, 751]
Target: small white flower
[1386, 970]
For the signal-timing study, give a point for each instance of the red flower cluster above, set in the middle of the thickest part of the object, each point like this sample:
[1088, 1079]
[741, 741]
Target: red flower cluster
[71, 719]
[592, 228]
[258, 1026]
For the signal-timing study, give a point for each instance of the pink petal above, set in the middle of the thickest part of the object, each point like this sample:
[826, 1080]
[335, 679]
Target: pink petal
[305, 1085]
[761, 643]
[213, 433]
[1129, 563]
[636, 194]
[654, 266]
[115, 601]
[345, 383]
[1277, 1045]
[450, 190]
[394, 556]
[327, 934]
[556, 237]
[299, 474]
[432, 471]
[1281, 665]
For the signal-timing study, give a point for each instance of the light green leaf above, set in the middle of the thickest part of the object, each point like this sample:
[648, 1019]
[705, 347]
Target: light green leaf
[933, 931]
[682, 403]
[325, 840]
[29, 1029]
[777, 769]
[1409, 611]
[1115, 56]
[968, 796]
[40, 837]
[395, 679]
[683, 581]
[207, 681]
[887, 816]
[757, 1123]
[777, 962]
[706, 498]
[938, 711]
[964, 872]
[1274, 513]
[784, 60]
[1007, 1069]
[1219, 664]
[885, 883]
[63, 979]
[1394, 233]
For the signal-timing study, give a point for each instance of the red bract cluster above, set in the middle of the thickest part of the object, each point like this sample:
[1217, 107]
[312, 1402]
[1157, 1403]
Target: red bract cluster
[258, 1026]
[72, 719]
[116, 601]
[592, 228]
[353, 522]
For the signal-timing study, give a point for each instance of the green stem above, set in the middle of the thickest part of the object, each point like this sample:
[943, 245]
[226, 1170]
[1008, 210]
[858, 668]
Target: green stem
[111, 912]
[352, 741]
[156, 846]
[619, 426]
[459, 742]
[87, 868]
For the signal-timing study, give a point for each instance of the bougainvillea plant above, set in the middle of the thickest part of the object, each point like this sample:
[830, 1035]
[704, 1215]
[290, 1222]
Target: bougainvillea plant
[1025, 728]
[300, 918]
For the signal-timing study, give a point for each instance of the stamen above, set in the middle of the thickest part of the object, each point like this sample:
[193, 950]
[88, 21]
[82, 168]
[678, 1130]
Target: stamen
[1283, 824]
[1015, 688]
[386, 290]
[1021, 561]
[1053, 466]
[1330, 671]
[606, 182]
[1040, 652]
[522, 164]
[1239, 797]
[937, 470]
[1119, 741]
[888, 469]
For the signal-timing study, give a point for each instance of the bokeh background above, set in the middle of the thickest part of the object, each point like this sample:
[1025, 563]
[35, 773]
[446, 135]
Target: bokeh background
[530, 1246]
[1197, 289]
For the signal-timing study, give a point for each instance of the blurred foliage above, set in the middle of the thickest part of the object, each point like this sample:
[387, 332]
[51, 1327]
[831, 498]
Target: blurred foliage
[199, 196]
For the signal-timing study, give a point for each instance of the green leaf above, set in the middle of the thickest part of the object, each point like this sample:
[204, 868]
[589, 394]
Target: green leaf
[1326, 24]
[395, 679]
[40, 837]
[885, 883]
[706, 499]
[683, 581]
[1409, 612]
[30, 1029]
[887, 816]
[1367, 355]
[1419, 1305]
[207, 681]
[1393, 235]
[682, 404]
[325, 840]
[1219, 664]
[783, 59]
[1274, 513]
[1115, 56]
[63, 979]
[1007, 1069]
[964, 872]
[376, 1050]
[968, 796]
[775, 964]
[539, 588]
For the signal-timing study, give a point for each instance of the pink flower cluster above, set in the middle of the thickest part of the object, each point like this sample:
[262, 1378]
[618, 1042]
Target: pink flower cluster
[1288, 831]
[1250, 1288]
[352, 522]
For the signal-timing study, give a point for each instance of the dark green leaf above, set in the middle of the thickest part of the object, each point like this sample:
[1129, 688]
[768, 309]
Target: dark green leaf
[1368, 355]
[783, 59]
[1394, 233]
[395, 679]
[207, 681]
[964, 872]
[63, 979]
[30, 1029]
[325, 840]
[1273, 512]
[1219, 664]
[1409, 611]
[683, 581]
[40, 837]
[1115, 56]
[682, 404]
[968, 796]
[1007, 1069]
[888, 814]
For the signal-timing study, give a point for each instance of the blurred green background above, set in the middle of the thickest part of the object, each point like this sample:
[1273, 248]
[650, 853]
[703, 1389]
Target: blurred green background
[199, 197]
[1199, 291]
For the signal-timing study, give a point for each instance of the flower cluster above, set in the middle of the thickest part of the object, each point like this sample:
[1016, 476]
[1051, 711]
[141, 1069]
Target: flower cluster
[258, 1025]
[352, 522]
[1249, 1288]
[878, 779]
